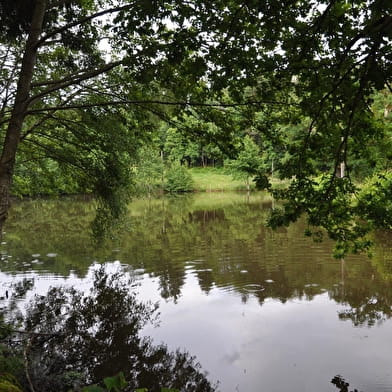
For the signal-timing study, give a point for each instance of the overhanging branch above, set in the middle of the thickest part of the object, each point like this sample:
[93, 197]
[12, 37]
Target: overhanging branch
[81, 21]
[157, 102]
[69, 81]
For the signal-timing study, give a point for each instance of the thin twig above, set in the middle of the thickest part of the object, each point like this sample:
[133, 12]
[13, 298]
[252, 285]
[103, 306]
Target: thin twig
[156, 102]
[31, 333]
[26, 363]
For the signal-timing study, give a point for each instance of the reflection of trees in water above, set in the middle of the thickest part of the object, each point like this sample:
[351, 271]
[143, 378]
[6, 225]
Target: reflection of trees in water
[367, 304]
[341, 384]
[207, 216]
[170, 282]
[382, 259]
[50, 226]
[367, 296]
[85, 338]
[224, 245]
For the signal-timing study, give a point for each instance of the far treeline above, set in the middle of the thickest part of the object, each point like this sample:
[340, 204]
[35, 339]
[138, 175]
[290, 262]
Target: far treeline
[97, 95]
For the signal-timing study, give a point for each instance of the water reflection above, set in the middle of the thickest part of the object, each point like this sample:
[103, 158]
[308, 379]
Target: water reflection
[249, 302]
[220, 239]
[77, 338]
[341, 384]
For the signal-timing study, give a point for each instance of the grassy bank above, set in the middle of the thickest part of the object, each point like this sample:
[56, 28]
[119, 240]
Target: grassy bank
[209, 179]
[203, 179]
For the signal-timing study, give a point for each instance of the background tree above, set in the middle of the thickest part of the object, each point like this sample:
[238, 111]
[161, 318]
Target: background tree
[149, 170]
[195, 140]
[248, 163]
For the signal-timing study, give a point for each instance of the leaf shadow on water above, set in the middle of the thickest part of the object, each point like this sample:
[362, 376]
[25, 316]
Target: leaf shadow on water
[76, 339]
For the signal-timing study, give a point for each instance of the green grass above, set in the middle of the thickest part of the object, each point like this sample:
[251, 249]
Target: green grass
[198, 201]
[209, 179]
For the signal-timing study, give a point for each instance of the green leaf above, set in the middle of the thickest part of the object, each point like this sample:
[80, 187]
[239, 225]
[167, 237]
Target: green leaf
[169, 390]
[93, 388]
[115, 383]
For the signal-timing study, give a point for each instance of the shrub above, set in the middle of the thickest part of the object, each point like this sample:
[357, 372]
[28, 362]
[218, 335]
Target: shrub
[178, 179]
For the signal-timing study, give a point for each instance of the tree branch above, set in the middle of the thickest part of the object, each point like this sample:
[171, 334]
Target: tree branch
[81, 21]
[52, 154]
[69, 81]
[45, 118]
[26, 363]
[157, 102]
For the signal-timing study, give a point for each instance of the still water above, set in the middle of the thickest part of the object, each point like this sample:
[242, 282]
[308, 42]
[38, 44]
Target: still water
[261, 310]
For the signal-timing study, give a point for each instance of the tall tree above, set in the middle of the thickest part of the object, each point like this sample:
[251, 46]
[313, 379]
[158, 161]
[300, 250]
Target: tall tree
[52, 61]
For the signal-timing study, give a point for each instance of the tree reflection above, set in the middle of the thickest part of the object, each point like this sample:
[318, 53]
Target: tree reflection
[81, 339]
[341, 384]
[367, 303]
[222, 242]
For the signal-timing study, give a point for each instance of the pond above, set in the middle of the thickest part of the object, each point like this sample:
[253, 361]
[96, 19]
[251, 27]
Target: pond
[261, 310]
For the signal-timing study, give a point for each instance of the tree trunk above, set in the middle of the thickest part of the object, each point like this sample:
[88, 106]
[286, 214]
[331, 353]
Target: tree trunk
[13, 133]
[342, 169]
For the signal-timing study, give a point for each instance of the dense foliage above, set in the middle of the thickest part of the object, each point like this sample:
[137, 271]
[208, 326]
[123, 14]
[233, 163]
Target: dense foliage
[178, 179]
[298, 78]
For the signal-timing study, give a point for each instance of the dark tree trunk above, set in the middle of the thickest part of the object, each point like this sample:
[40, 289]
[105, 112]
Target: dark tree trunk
[12, 137]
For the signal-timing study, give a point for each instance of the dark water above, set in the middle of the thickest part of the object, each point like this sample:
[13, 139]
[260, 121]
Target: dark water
[261, 310]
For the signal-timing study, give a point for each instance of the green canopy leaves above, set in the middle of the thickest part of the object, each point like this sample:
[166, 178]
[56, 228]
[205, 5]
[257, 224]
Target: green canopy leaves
[310, 64]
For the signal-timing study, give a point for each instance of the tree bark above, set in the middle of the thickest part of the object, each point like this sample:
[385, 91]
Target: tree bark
[14, 129]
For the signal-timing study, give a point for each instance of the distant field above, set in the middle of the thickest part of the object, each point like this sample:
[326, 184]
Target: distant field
[208, 179]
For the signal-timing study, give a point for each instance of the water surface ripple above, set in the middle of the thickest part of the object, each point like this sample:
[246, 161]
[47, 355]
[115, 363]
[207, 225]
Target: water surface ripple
[261, 310]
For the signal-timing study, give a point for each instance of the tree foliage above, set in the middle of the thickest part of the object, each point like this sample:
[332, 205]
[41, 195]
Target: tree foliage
[248, 163]
[316, 63]
[178, 179]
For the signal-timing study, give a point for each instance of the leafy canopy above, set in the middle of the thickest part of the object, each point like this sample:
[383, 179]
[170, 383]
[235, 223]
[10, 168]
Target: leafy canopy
[315, 62]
